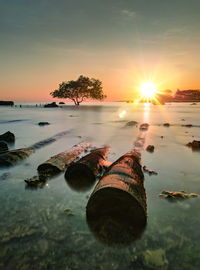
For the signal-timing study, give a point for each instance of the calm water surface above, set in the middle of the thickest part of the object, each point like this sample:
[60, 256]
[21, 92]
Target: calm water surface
[46, 228]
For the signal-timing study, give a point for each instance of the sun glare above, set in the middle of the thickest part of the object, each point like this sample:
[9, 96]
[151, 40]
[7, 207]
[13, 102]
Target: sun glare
[148, 90]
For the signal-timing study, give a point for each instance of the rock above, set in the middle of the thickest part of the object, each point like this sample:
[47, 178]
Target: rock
[177, 195]
[51, 105]
[150, 148]
[7, 137]
[5, 176]
[3, 147]
[144, 126]
[161, 137]
[155, 259]
[61, 102]
[6, 103]
[166, 124]
[193, 103]
[18, 233]
[195, 145]
[150, 172]
[68, 212]
[131, 124]
[43, 123]
[188, 125]
[35, 181]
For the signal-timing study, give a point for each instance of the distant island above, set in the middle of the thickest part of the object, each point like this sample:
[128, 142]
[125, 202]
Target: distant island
[179, 96]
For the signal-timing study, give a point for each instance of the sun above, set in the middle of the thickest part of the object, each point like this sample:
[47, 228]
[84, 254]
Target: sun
[148, 90]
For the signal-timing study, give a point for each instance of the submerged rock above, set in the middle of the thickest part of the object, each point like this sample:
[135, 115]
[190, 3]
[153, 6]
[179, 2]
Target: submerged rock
[144, 126]
[43, 123]
[166, 124]
[150, 148]
[18, 233]
[5, 176]
[155, 259]
[195, 145]
[131, 124]
[3, 147]
[35, 181]
[51, 105]
[150, 172]
[177, 195]
[7, 137]
[187, 125]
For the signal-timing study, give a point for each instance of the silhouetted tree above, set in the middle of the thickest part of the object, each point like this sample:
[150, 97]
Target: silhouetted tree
[79, 90]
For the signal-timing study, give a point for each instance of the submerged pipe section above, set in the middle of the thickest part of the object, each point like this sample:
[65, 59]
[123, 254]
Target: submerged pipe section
[116, 211]
[56, 164]
[59, 162]
[82, 174]
[12, 157]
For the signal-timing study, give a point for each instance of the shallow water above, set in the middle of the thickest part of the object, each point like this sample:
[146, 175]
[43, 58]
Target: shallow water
[36, 230]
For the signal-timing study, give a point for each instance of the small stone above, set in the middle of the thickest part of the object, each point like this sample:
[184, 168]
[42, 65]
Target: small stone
[150, 172]
[166, 124]
[43, 123]
[150, 148]
[177, 195]
[131, 124]
[155, 259]
[144, 126]
[68, 212]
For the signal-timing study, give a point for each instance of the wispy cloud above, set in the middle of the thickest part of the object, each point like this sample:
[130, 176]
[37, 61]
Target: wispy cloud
[128, 13]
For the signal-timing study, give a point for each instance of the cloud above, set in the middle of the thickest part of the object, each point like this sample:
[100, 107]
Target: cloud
[128, 13]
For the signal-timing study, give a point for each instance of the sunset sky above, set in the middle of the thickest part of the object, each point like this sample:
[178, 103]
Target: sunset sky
[121, 42]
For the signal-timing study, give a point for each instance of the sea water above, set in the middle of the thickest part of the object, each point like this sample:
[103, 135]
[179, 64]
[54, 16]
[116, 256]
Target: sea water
[46, 228]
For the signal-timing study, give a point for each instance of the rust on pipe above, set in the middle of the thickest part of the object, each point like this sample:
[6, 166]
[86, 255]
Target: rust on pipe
[10, 158]
[116, 211]
[59, 162]
[82, 174]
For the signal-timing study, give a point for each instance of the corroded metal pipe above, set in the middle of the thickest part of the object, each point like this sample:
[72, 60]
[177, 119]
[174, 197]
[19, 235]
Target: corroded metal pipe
[116, 210]
[12, 157]
[82, 174]
[59, 162]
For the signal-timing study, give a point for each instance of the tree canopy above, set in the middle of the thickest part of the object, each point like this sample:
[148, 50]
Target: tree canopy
[79, 90]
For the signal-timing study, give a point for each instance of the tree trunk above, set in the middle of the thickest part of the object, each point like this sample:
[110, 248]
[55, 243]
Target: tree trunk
[116, 210]
[82, 174]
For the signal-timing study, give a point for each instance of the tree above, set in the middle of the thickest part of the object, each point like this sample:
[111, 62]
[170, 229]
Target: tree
[79, 90]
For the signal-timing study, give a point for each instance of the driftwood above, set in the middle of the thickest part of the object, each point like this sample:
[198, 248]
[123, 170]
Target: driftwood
[12, 157]
[116, 210]
[59, 162]
[82, 174]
